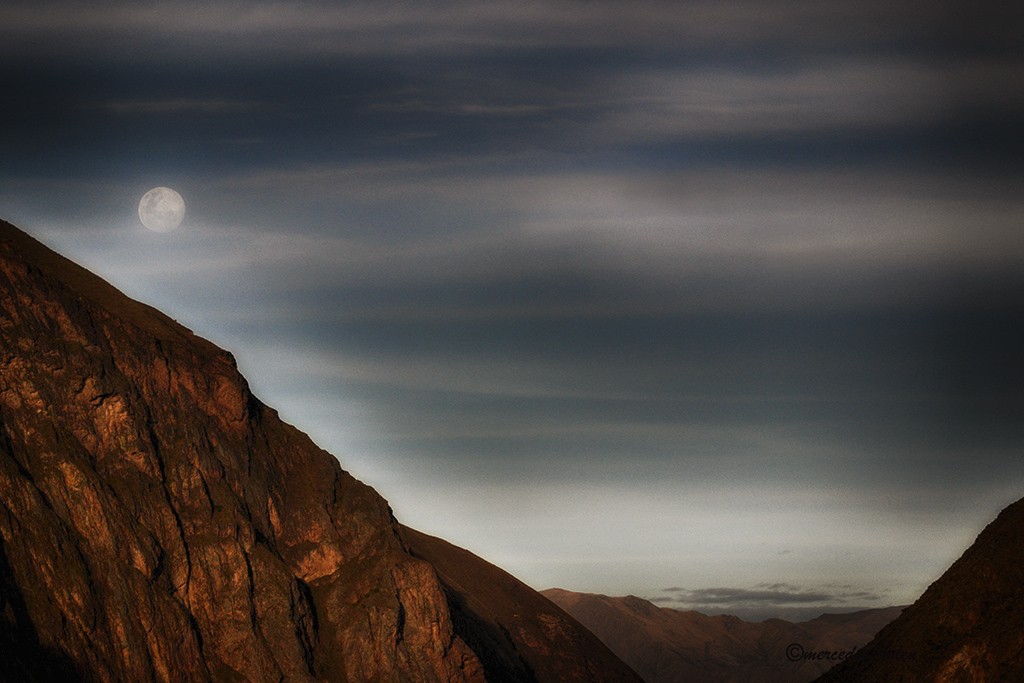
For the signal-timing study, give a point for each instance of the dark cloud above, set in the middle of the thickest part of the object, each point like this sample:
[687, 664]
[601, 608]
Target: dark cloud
[464, 75]
[773, 593]
[459, 27]
[772, 600]
[728, 596]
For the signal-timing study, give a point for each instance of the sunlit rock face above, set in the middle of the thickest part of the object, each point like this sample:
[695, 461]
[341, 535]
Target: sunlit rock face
[157, 522]
[968, 625]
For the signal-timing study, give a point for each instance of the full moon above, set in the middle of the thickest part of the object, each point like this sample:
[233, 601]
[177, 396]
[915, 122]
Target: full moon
[161, 209]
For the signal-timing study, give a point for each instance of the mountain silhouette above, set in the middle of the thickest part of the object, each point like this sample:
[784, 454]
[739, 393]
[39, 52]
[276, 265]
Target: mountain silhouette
[159, 522]
[967, 626]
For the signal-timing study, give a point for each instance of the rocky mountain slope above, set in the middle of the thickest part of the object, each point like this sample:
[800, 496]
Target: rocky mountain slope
[496, 603]
[158, 522]
[665, 645]
[968, 625]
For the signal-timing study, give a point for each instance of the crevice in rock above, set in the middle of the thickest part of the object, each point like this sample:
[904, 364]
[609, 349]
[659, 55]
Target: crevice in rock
[309, 638]
[179, 525]
[399, 621]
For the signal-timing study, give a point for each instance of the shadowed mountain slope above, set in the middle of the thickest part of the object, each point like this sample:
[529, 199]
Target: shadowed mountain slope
[514, 617]
[158, 522]
[664, 645]
[968, 625]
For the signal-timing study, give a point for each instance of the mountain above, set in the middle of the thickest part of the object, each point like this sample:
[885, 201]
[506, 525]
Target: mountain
[967, 626]
[158, 522]
[547, 640]
[665, 645]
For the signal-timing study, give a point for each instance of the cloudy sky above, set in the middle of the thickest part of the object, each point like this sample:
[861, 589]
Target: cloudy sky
[715, 303]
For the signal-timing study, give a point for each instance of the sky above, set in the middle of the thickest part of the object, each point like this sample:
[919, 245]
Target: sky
[714, 303]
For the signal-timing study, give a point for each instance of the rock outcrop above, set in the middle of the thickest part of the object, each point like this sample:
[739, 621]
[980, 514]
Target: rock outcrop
[514, 629]
[158, 522]
[663, 644]
[967, 626]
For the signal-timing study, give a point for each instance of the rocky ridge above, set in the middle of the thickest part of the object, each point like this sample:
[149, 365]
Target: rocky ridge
[158, 522]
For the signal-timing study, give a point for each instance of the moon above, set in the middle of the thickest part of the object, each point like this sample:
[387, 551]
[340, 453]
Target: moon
[161, 209]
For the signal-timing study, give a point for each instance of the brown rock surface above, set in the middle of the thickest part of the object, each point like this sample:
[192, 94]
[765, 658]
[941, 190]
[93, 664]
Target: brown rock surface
[664, 645]
[515, 630]
[967, 626]
[157, 522]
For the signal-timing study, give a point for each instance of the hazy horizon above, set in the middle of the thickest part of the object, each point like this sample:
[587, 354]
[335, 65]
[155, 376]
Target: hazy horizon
[716, 304]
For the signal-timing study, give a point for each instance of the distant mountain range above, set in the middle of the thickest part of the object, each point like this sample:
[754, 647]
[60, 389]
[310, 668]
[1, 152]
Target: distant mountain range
[663, 644]
[159, 523]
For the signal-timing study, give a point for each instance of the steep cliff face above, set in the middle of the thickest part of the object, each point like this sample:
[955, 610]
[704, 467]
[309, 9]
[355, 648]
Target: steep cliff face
[157, 522]
[968, 625]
